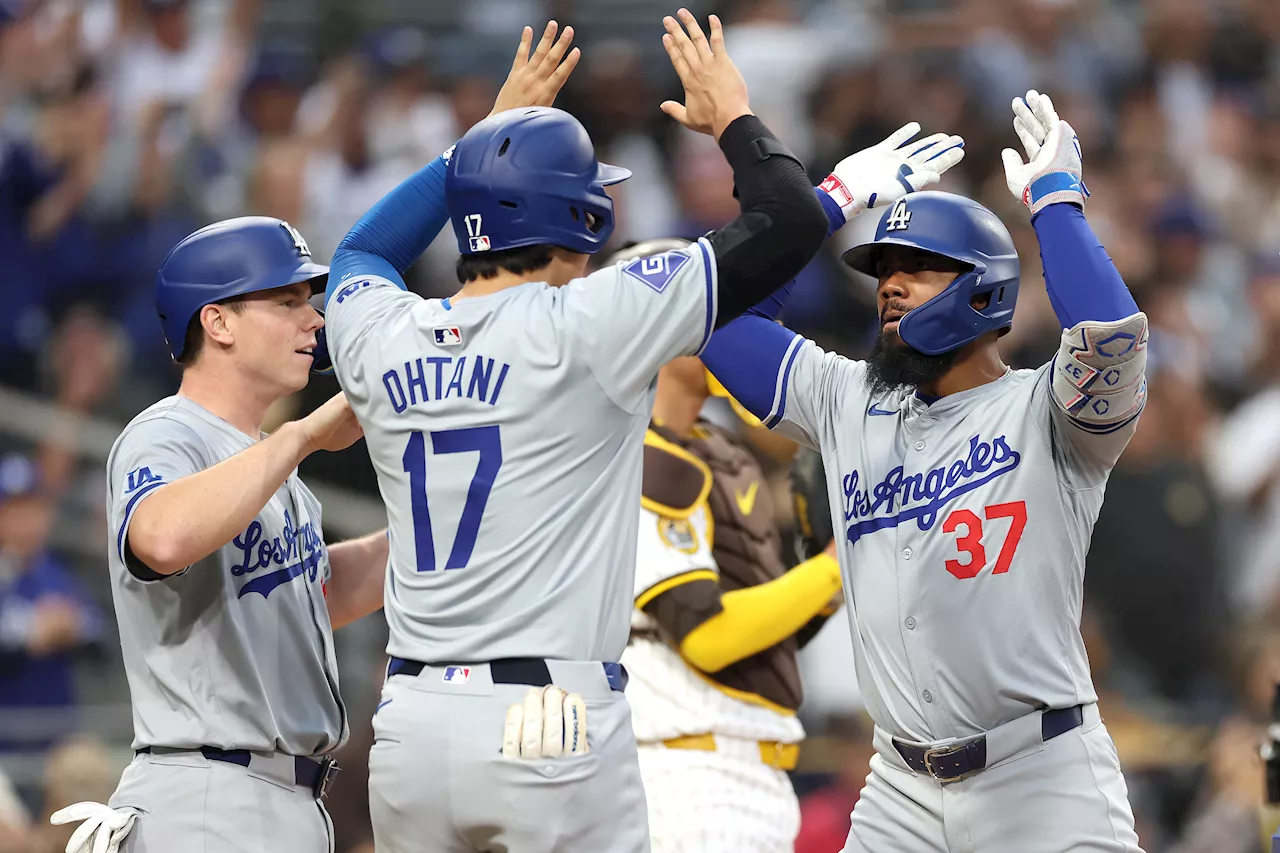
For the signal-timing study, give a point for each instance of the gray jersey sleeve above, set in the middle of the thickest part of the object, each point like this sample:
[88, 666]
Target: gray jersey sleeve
[149, 455]
[353, 314]
[811, 385]
[634, 317]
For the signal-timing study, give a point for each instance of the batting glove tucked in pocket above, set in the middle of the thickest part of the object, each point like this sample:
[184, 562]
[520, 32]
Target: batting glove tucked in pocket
[101, 830]
[548, 724]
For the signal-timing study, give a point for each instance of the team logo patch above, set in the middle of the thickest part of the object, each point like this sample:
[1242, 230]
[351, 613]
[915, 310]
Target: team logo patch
[899, 217]
[348, 290]
[678, 533]
[456, 674]
[447, 336]
[657, 271]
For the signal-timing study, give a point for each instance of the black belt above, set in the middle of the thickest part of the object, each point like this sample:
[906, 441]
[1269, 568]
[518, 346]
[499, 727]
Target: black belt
[317, 775]
[948, 763]
[531, 671]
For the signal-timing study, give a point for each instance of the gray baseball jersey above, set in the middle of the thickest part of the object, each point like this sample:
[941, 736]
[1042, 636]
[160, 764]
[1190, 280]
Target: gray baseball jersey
[236, 651]
[507, 431]
[966, 524]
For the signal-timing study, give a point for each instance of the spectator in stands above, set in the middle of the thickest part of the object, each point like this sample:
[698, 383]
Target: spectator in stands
[45, 617]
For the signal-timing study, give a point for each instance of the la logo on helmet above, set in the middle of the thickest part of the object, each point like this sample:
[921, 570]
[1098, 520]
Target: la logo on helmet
[298, 242]
[899, 217]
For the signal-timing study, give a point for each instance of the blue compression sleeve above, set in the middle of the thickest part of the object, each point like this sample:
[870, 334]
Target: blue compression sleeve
[396, 230]
[747, 356]
[771, 306]
[1082, 281]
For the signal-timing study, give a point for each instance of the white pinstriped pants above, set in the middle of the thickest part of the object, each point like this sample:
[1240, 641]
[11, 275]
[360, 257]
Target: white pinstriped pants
[708, 802]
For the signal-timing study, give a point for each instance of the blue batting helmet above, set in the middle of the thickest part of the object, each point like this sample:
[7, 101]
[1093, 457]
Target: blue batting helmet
[526, 177]
[963, 230]
[226, 259]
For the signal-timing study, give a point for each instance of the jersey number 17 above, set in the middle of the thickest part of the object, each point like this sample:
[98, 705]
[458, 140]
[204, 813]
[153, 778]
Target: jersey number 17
[484, 440]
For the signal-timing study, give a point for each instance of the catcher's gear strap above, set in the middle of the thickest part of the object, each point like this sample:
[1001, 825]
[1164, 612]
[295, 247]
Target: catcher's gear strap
[1099, 373]
[782, 224]
[755, 618]
[675, 482]
[689, 601]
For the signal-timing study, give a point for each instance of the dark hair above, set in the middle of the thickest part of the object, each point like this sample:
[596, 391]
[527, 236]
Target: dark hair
[518, 261]
[193, 342]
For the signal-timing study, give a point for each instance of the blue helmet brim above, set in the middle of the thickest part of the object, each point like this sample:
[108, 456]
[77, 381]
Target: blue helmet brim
[862, 258]
[317, 274]
[608, 175]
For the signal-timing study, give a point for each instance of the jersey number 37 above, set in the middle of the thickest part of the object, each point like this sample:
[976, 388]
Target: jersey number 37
[484, 440]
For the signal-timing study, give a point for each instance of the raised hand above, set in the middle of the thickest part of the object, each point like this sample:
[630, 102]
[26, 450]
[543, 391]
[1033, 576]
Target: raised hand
[534, 81]
[885, 172]
[714, 92]
[1054, 172]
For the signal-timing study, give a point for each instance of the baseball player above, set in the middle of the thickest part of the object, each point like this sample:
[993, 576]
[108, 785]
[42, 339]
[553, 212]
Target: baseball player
[718, 616]
[219, 571]
[506, 424]
[967, 492]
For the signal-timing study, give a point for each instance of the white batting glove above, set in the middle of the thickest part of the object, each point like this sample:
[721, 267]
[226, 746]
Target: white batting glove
[1054, 172]
[885, 172]
[102, 830]
[548, 724]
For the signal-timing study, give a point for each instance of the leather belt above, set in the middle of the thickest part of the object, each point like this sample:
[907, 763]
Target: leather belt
[781, 756]
[949, 763]
[318, 775]
[531, 671]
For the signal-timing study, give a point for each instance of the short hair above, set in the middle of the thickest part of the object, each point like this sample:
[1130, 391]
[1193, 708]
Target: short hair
[524, 259]
[193, 342]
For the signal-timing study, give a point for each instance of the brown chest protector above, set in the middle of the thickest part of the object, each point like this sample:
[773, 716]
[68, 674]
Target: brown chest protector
[747, 550]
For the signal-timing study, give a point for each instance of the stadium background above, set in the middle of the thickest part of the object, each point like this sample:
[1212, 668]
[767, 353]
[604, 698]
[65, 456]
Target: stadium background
[124, 124]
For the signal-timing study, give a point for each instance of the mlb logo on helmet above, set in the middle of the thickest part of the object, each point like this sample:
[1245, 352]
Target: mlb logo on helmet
[456, 674]
[657, 271]
[475, 224]
[448, 336]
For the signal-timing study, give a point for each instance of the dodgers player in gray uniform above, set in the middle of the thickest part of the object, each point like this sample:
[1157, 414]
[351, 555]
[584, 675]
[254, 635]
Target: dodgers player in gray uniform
[506, 424]
[219, 572]
[968, 492]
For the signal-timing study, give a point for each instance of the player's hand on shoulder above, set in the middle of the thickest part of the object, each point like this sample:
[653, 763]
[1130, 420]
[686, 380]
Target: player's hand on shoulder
[333, 426]
[535, 81]
[885, 172]
[549, 723]
[1054, 172]
[714, 92]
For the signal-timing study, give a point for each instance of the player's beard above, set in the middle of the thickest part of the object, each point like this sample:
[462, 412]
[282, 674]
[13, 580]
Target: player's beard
[892, 364]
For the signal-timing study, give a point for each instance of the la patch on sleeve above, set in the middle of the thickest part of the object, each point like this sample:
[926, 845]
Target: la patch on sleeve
[657, 271]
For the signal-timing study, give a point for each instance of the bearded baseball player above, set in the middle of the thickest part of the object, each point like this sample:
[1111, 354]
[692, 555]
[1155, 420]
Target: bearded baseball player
[718, 616]
[225, 591]
[506, 425]
[967, 492]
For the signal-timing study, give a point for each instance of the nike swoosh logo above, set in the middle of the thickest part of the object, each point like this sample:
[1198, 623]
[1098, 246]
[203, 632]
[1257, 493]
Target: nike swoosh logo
[747, 502]
[876, 410]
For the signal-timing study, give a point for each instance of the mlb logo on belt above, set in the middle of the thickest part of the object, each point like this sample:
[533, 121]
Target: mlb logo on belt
[448, 336]
[456, 674]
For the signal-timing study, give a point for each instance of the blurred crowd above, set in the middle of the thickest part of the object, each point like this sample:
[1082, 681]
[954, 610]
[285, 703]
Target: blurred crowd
[125, 124]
